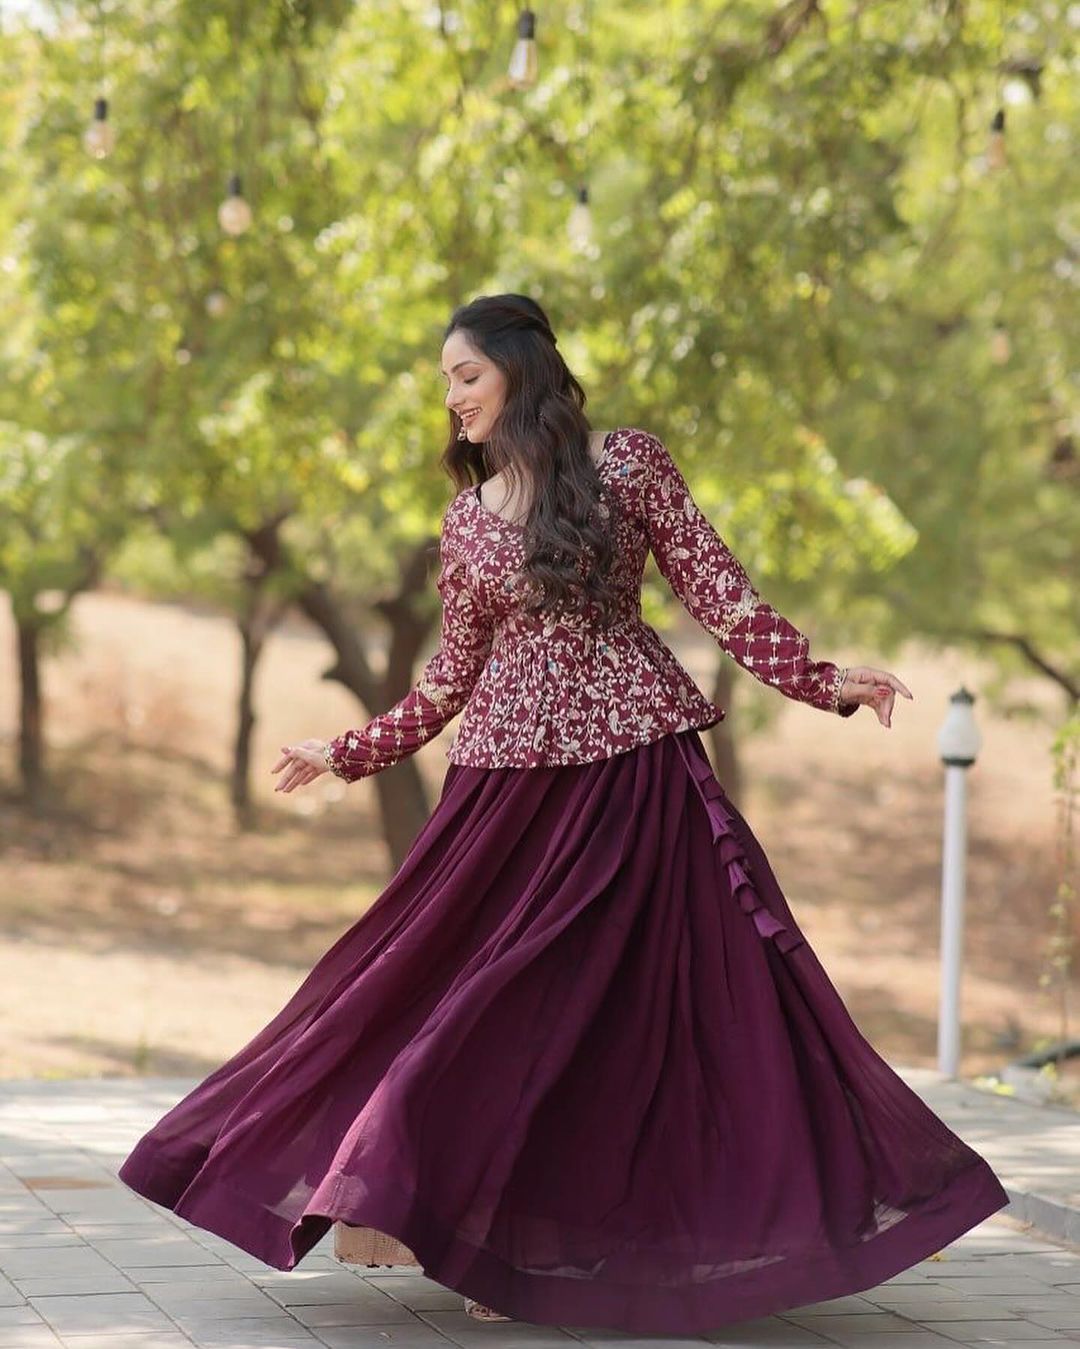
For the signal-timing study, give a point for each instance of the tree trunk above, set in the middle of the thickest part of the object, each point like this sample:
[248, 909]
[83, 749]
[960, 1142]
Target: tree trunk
[240, 785]
[722, 737]
[31, 737]
[257, 619]
[403, 803]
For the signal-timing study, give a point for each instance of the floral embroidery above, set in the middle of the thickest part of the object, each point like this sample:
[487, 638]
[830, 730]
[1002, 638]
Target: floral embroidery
[535, 690]
[714, 587]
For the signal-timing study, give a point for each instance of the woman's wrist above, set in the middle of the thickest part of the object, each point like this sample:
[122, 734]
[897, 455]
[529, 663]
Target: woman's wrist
[330, 761]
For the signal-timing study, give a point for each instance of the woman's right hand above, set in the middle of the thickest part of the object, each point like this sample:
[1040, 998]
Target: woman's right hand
[878, 688]
[301, 763]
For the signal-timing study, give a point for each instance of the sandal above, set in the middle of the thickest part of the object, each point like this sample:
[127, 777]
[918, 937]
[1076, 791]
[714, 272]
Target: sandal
[481, 1313]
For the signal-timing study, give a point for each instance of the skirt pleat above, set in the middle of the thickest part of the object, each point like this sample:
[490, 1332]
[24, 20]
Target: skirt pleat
[580, 1059]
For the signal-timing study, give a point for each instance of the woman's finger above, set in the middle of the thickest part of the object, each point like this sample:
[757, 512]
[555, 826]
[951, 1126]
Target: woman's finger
[901, 688]
[289, 780]
[884, 677]
[301, 775]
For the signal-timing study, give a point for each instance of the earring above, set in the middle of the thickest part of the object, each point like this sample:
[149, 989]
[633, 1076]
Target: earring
[461, 432]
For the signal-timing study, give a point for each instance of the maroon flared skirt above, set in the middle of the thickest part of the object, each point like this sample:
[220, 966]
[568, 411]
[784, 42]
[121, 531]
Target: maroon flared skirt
[580, 1059]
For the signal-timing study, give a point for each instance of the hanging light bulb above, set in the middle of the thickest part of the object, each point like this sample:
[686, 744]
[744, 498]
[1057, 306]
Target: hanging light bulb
[579, 225]
[99, 137]
[524, 60]
[1000, 346]
[995, 154]
[234, 214]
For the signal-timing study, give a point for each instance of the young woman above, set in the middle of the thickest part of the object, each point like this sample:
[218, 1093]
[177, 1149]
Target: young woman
[578, 1057]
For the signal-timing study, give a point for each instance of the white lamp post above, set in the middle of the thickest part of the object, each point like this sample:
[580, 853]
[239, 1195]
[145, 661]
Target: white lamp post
[958, 742]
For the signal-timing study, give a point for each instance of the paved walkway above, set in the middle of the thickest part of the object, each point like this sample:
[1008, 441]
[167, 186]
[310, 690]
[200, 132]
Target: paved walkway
[87, 1264]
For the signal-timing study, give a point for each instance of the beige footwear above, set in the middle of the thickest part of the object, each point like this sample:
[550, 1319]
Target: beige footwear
[481, 1313]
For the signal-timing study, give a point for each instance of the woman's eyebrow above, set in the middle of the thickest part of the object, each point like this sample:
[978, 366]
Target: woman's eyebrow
[458, 366]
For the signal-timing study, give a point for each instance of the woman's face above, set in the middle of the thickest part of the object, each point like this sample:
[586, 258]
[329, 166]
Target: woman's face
[477, 387]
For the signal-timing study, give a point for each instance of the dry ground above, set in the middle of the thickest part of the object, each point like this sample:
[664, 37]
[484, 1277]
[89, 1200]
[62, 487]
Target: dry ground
[139, 932]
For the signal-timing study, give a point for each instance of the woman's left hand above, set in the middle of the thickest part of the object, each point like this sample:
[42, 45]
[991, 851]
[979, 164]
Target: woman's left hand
[302, 763]
[878, 688]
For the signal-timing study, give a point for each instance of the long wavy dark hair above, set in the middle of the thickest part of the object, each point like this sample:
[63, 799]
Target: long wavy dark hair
[541, 441]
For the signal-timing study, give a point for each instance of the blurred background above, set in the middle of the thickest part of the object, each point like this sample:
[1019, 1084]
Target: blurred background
[829, 252]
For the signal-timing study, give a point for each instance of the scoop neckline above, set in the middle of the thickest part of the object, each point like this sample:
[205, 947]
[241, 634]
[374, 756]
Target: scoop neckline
[474, 491]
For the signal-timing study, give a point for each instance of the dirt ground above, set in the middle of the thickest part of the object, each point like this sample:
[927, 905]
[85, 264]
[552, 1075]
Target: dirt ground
[141, 933]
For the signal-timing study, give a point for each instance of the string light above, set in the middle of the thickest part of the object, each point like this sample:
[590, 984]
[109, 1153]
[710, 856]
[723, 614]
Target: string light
[99, 139]
[234, 214]
[1000, 345]
[995, 154]
[579, 224]
[524, 65]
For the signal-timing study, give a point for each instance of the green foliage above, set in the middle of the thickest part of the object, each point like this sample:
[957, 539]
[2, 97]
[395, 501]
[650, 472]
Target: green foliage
[801, 254]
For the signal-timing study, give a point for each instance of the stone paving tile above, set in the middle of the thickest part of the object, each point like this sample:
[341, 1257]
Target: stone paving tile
[896, 1296]
[896, 1339]
[29, 1337]
[59, 1236]
[208, 1308]
[101, 1312]
[92, 1229]
[594, 1337]
[767, 1332]
[404, 1337]
[360, 1314]
[334, 1290]
[24, 1224]
[250, 1335]
[979, 1332]
[970, 1308]
[417, 1291]
[42, 1285]
[154, 1339]
[1056, 1265]
[1023, 1304]
[998, 1283]
[627, 1343]
[382, 1314]
[190, 1275]
[22, 1315]
[831, 1326]
[1057, 1319]
[471, 1334]
[50, 1262]
[172, 1296]
[154, 1249]
[994, 1237]
[839, 1306]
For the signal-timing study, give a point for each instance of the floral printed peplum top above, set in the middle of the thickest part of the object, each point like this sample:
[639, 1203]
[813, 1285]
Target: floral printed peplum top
[536, 690]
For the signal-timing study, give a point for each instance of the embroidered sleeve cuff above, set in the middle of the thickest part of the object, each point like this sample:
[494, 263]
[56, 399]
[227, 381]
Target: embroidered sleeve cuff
[331, 761]
[842, 709]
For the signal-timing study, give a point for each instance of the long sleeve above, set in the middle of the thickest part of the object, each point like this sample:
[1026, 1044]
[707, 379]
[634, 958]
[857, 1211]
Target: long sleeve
[441, 691]
[716, 591]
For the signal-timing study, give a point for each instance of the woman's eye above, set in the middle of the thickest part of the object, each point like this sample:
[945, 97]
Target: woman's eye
[473, 380]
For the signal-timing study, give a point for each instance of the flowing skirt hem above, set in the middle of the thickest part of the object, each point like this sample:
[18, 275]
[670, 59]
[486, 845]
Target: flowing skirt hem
[557, 1297]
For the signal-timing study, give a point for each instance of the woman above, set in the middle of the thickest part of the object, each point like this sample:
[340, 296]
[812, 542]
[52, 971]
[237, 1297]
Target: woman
[578, 1056]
